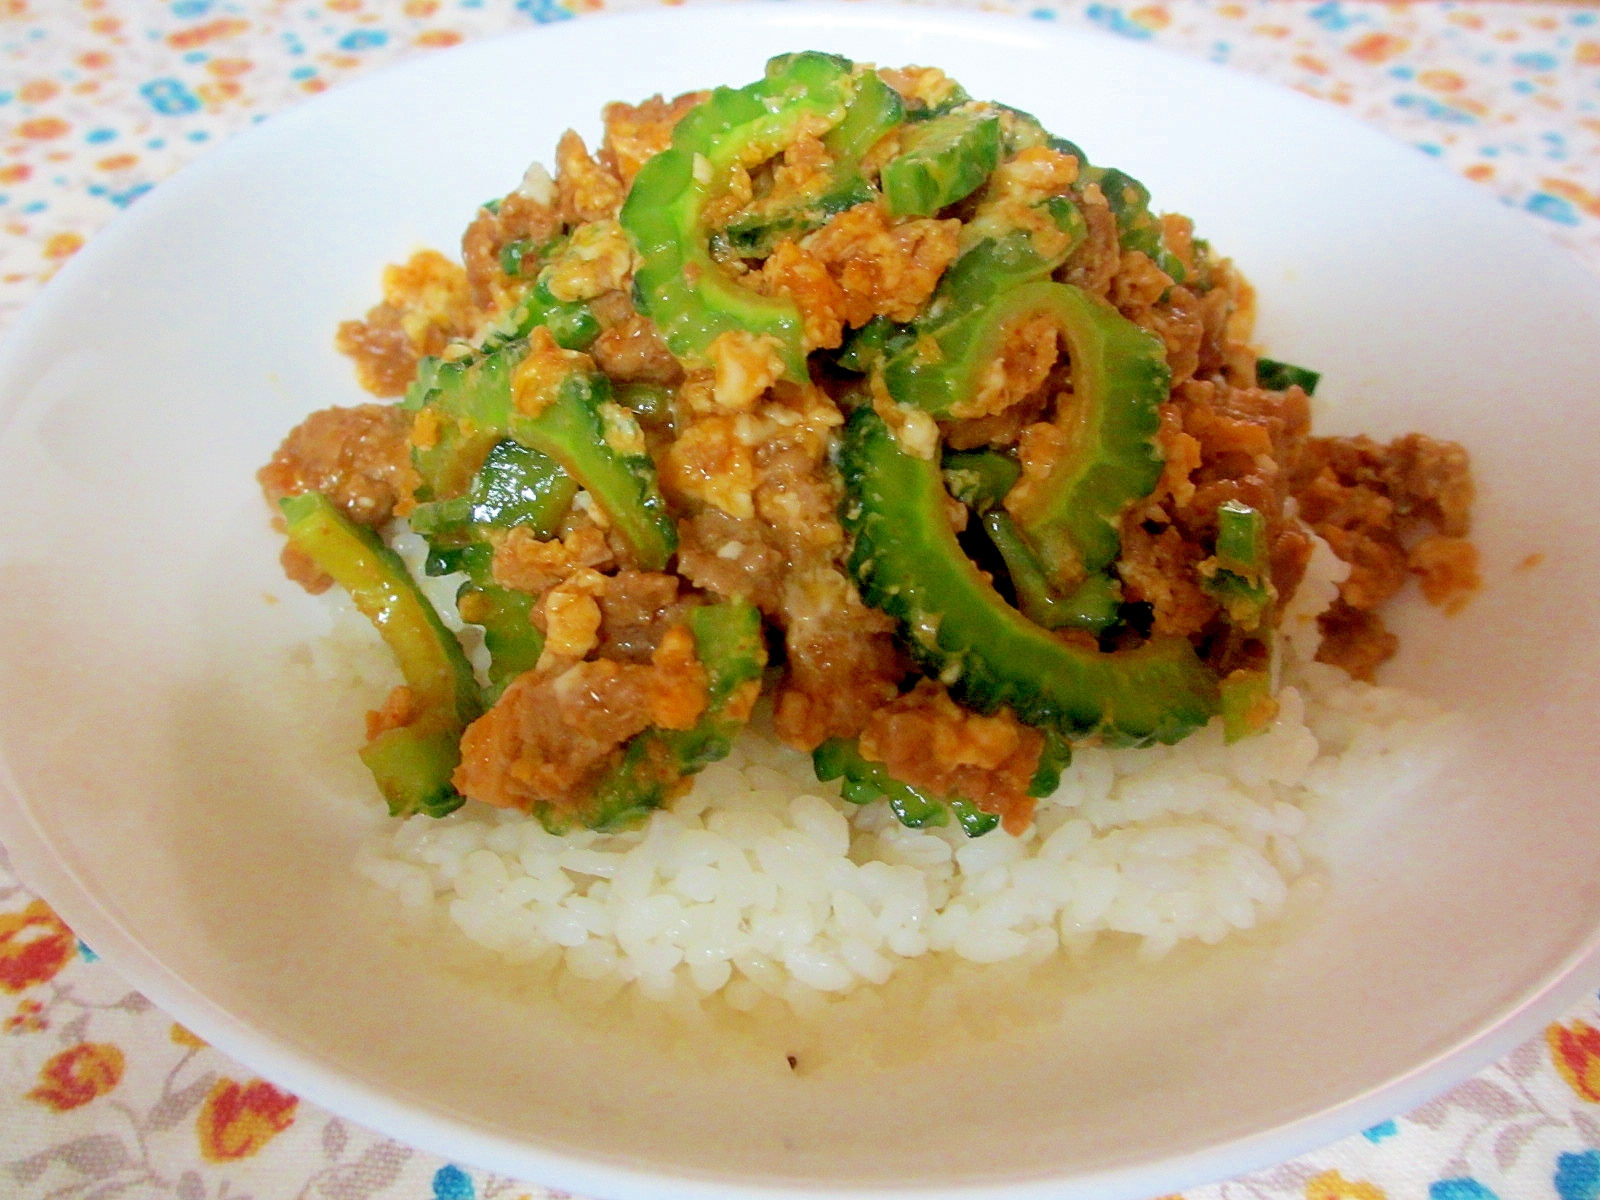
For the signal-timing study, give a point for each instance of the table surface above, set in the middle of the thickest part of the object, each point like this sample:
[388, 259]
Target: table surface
[102, 1095]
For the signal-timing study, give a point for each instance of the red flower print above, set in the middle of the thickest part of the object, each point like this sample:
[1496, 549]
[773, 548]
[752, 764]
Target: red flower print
[1575, 1050]
[237, 1119]
[77, 1075]
[34, 946]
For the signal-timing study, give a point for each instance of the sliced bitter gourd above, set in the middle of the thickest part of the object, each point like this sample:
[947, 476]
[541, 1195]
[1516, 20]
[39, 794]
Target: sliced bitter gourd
[865, 781]
[412, 763]
[907, 562]
[941, 160]
[691, 297]
[467, 408]
[729, 644]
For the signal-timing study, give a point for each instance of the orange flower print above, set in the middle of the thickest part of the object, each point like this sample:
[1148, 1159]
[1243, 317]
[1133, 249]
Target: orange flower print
[77, 1075]
[1576, 1052]
[1331, 1185]
[34, 946]
[237, 1119]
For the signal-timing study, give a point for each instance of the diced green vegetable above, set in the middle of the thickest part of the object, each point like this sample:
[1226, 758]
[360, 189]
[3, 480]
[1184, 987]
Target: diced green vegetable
[1240, 578]
[1278, 376]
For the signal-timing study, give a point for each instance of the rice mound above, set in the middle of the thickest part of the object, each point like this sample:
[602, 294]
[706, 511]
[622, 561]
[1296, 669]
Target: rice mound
[761, 881]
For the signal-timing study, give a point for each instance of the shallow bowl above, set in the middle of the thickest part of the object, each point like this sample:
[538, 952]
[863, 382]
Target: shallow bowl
[163, 797]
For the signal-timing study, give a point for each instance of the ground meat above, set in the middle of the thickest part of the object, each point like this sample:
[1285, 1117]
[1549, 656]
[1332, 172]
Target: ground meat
[569, 615]
[518, 218]
[636, 610]
[1220, 443]
[922, 87]
[636, 133]
[1448, 570]
[1227, 311]
[1096, 260]
[426, 304]
[883, 270]
[385, 360]
[632, 351]
[709, 464]
[553, 732]
[804, 278]
[1159, 568]
[842, 660]
[930, 742]
[1027, 352]
[532, 564]
[1355, 640]
[585, 189]
[1373, 503]
[359, 458]
[729, 557]
[1424, 480]
[1003, 428]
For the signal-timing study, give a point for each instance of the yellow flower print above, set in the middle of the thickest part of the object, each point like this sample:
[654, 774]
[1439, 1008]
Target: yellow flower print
[1575, 1050]
[182, 1037]
[34, 946]
[1331, 1185]
[237, 1119]
[78, 1075]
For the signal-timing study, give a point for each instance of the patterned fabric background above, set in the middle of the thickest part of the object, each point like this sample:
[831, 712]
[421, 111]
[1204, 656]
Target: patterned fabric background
[102, 1095]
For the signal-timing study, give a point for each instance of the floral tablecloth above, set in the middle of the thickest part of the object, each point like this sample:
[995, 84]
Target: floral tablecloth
[102, 1095]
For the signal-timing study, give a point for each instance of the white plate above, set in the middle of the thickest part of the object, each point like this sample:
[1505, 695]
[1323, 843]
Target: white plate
[157, 802]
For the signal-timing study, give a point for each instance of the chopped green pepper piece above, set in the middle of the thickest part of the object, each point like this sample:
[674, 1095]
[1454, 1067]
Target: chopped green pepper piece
[907, 562]
[1239, 577]
[756, 230]
[1278, 376]
[412, 764]
[512, 255]
[1241, 540]
[516, 485]
[571, 322]
[867, 347]
[875, 109]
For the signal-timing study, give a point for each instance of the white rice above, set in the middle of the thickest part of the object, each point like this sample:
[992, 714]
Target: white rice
[763, 882]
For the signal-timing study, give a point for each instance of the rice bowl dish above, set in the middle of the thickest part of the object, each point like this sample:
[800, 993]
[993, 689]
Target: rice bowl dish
[1078, 1074]
[601, 449]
